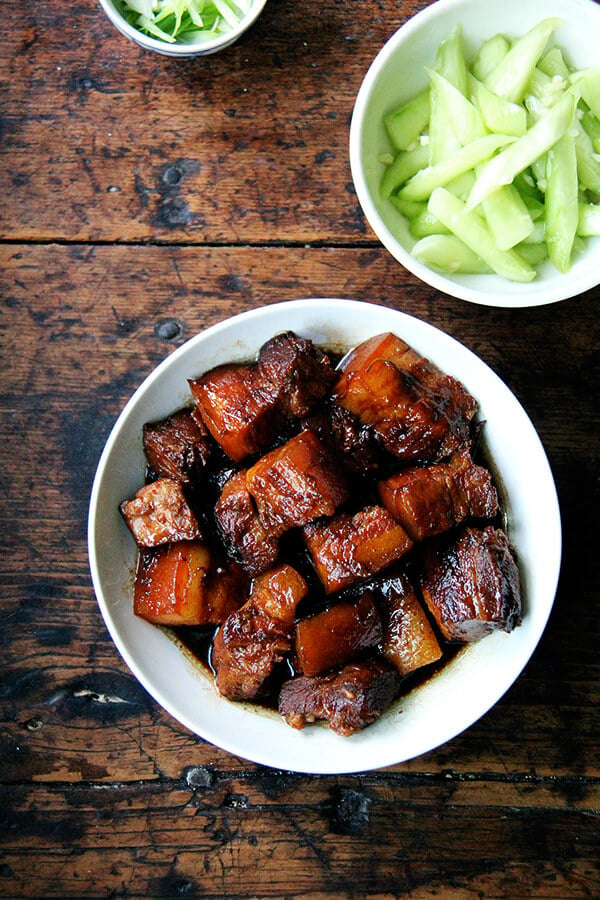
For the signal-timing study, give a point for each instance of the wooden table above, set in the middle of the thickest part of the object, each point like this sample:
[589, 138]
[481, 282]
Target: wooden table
[144, 199]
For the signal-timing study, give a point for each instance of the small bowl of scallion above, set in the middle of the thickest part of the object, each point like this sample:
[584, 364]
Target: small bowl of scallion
[475, 149]
[183, 28]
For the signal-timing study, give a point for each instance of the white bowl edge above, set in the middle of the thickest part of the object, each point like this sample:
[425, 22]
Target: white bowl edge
[429, 716]
[482, 19]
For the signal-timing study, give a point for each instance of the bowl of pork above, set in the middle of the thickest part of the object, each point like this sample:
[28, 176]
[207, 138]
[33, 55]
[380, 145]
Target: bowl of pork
[324, 536]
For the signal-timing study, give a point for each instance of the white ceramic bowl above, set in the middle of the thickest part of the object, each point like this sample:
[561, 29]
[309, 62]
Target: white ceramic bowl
[398, 73]
[181, 49]
[435, 712]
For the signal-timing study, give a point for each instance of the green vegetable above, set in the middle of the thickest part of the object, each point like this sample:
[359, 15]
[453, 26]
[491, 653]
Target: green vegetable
[510, 77]
[472, 230]
[534, 254]
[589, 219]
[491, 53]
[562, 208]
[405, 124]
[425, 223]
[450, 254]
[441, 138]
[464, 119]
[500, 158]
[591, 126]
[424, 182]
[499, 114]
[450, 61]
[184, 20]
[518, 156]
[588, 83]
[588, 161]
[553, 64]
[508, 218]
[404, 167]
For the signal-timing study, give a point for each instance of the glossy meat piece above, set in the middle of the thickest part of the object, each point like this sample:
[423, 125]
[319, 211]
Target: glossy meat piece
[347, 548]
[419, 413]
[177, 447]
[159, 513]
[296, 483]
[300, 373]
[427, 501]
[238, 407]
[257, 637]
[244, 535]
[470, 583]
[349, 700]
[337, 635]
[409, 641]
[355, 444]
[182, 584]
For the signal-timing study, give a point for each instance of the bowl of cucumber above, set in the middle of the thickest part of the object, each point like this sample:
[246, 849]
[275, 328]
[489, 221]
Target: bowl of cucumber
[475, 149]
[183, 28]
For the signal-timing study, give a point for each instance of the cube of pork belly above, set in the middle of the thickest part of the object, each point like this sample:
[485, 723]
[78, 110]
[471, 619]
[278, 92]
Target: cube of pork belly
[356, 445]
[409, 641]
[427, 501]
[296, 483]
[349, 700]
[419, 413]
[178, 446]
[257, 637]
[238, 407]
[159, 513]
[299, 372]
[389, 347]
[347, 548]
[182, 584]
[470, 583]
[245, 537]
[337, 635]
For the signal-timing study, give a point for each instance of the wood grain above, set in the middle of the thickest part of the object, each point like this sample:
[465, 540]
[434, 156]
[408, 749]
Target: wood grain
[145, 199]
[247, 145]
[230, 838]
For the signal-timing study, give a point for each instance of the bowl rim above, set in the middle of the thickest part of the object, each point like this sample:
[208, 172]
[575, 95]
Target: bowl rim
[570, 286]
[378, 756]
[180, 49]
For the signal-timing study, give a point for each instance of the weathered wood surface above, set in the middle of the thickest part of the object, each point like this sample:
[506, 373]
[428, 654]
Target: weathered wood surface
[143, 200]
[248, 145]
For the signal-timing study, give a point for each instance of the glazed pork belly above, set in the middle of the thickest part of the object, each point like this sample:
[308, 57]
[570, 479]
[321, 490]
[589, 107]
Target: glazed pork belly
[337, 635]
[245, 537]
[244, 406]
[300, 374]
[470, 583]
[238, 407]
[296, 483]
[355, 445]
[348, 700]
[178, 447]
[409, 641]
[253, 640]
[346, 548]
[419, 413]
[159, 513]
[427, 501]
[183, 584]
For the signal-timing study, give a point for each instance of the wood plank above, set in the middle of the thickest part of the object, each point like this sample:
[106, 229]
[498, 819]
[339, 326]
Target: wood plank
[105, 141]
[242, 840]
[82, 328]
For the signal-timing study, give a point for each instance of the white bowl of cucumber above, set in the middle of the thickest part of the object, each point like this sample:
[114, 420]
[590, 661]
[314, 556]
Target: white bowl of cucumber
[475, 149]
[183, 29]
